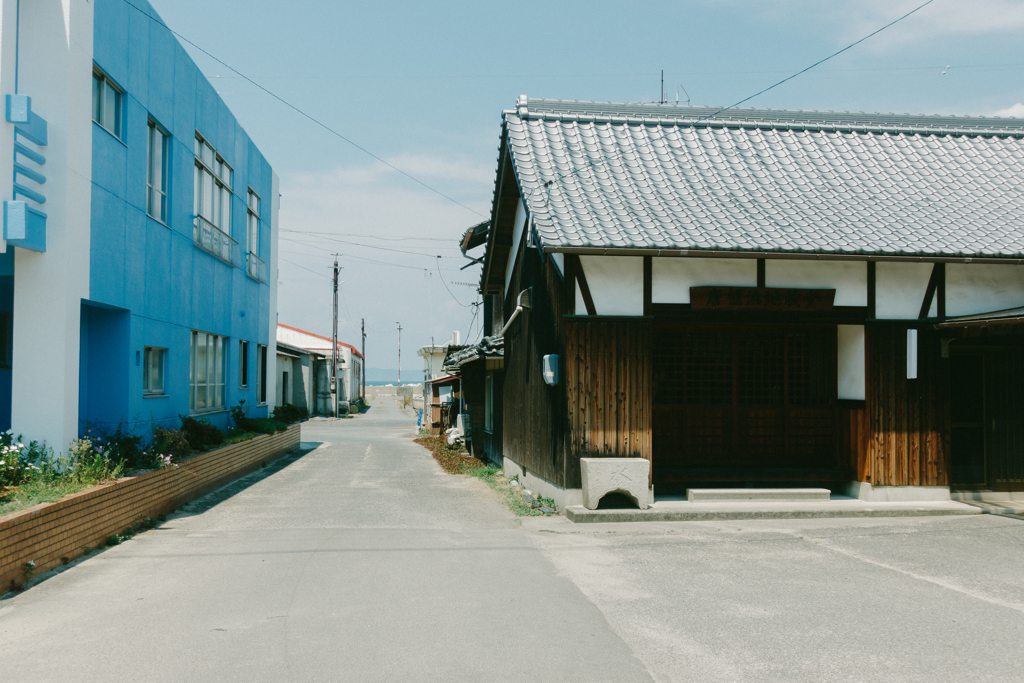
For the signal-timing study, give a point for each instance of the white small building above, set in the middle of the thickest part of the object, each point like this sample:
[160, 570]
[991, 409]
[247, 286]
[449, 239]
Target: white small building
[433, 362]
[350, 361]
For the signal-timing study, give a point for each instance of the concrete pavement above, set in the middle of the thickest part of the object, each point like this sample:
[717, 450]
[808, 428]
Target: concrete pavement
[361, 560]
[357, 561]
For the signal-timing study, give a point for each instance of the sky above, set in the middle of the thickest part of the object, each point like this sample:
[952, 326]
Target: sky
[422, 85]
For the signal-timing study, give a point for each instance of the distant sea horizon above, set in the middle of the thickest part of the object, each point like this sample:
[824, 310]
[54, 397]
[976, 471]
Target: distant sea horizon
[393, 382]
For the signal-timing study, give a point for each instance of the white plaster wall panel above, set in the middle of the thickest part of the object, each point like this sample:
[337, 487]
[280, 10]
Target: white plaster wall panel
[559, 261]
[848, 278]
[581, 305]
[55, 67]
[8, 11]
[900, 288]
[981, 288]
[517, 236]
[851, 362]
[272, 329]
[616, 284]
[671, 278]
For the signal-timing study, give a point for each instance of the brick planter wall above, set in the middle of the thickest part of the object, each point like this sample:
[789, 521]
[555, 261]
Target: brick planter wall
[47, 533]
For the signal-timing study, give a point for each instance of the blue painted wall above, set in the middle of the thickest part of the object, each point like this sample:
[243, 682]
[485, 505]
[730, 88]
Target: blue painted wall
[154, 271]
[6, 306]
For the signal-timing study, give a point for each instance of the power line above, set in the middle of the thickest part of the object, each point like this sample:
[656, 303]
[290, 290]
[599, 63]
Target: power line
[301, 112]
[297, 265]
[446, 285]
[757, 94]
[373, 246]
[376, 237]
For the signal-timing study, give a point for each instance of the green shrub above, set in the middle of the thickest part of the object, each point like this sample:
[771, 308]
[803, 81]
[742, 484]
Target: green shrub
[121, 446]
[289, 413]
[259, 425]
[87, 461]
[236, 435]
[171, 442]
[199, 433]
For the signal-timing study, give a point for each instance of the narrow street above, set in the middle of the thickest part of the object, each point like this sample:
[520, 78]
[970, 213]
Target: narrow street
[357, 559]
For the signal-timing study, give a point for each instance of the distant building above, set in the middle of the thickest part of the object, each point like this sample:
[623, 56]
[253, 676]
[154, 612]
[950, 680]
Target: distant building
[350, 365]
[139, 244]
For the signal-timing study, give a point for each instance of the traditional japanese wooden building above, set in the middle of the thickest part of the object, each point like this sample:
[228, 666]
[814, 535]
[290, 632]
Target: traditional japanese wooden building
[759, 297]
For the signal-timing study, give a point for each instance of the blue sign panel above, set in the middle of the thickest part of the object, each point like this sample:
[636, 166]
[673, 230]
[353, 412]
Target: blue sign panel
[25, 226]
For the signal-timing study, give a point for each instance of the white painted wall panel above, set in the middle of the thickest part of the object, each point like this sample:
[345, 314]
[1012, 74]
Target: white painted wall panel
[616, 283]
[56, 71]
[517, 236]
[581, 305]
[981, 288]
[848, 278]
[900, 288]
[850, 351]
[672, 277]
[559, 261]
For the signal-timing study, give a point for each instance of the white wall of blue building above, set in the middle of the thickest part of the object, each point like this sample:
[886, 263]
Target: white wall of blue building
[54, 69]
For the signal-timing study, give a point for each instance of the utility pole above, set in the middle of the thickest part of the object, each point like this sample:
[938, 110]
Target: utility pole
[399, 353]
[334, 342]
[362, 327]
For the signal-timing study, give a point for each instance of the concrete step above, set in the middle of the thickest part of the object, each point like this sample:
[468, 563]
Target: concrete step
[684, 511]
[718, 495]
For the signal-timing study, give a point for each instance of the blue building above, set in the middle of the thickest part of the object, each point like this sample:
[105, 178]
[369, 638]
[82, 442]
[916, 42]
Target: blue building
[140, 230]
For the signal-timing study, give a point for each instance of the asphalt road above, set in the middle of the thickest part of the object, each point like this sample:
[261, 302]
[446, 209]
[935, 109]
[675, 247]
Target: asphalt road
[361, 560]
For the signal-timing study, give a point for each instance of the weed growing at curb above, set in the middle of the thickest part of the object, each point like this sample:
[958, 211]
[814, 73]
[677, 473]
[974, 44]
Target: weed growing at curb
[142, 525]
[454, 460]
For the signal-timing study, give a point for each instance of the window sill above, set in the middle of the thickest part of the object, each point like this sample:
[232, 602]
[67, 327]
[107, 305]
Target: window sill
[156, 396]
[204, 413]
[97, 124]
[154, 218]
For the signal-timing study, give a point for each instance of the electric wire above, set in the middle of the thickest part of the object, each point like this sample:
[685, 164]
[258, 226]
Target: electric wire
[301, 112]
[446, 285]
[612, 157]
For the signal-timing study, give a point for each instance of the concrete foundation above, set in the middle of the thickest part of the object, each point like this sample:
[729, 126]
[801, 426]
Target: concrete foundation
[896, 494]
[988, 496]
[540, 486]
[709, 495]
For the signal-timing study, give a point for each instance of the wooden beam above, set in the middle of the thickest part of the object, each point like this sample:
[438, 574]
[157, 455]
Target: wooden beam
[929, 293]
[941, 290]
[648, 285]
[871, 291]
[581, 279]
[761, 273]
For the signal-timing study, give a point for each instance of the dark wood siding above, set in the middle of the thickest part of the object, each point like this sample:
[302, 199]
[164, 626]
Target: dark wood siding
[608, 386]
[908, 420]
[534, 412]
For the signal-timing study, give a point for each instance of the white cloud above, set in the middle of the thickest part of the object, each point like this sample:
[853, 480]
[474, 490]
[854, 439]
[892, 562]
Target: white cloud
[1016, 111]
[373, 200]
[860, 17]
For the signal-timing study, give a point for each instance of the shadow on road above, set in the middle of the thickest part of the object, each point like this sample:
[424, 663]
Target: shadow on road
[214, 498]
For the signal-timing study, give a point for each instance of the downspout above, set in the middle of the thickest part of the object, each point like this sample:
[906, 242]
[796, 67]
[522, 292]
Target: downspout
[524, 302]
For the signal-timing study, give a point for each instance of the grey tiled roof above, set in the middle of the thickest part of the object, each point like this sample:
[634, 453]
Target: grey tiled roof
[616, 176]
[489, 347]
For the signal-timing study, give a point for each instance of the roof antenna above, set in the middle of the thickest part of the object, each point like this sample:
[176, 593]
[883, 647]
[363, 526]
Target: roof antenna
[662, 101]
[684, 92]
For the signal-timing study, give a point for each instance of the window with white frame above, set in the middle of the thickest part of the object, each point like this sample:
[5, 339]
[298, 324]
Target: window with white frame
[106, 103]
[213, 186]
[243, 364]
[156, 173]
[261, 373]
[252, 236]
[206, 376]
[154, 360]
[488, 403]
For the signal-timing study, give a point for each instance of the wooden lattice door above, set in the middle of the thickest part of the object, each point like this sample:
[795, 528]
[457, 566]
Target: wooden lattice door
[739, 402]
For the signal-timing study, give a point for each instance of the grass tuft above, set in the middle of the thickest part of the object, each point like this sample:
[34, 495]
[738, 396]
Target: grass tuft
[454, 460]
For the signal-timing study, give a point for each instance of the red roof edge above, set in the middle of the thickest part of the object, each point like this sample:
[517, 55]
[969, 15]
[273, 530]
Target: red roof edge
[320, 336]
